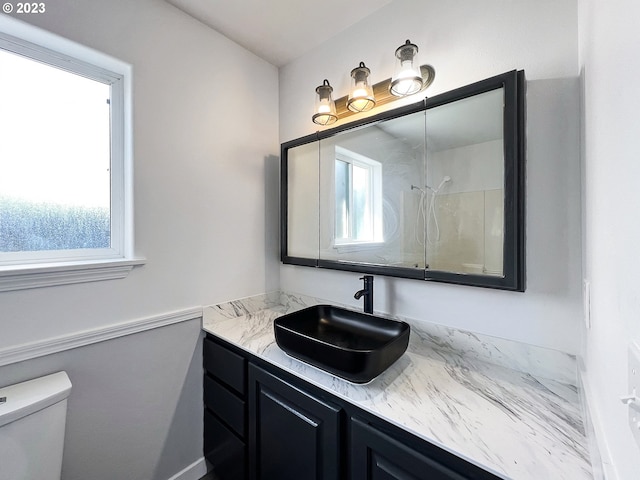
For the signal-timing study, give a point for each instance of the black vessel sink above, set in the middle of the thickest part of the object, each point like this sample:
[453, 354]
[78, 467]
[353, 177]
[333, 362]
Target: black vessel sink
[352, 345]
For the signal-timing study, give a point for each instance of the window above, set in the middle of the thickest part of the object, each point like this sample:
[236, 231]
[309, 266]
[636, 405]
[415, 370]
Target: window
[358, 198]
[65, 154]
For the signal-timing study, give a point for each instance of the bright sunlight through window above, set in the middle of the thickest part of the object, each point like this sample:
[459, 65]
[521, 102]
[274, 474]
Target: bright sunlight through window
[55, 184]
[65, 152]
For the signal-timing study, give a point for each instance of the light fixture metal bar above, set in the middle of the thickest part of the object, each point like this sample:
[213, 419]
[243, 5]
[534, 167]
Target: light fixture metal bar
[382, 94]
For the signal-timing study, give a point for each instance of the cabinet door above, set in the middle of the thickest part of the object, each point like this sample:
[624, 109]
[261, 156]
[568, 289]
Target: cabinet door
[292, 435]
[376, 456]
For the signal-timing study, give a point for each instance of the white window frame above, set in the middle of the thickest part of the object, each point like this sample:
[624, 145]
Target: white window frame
[19, 270]
[375, 171]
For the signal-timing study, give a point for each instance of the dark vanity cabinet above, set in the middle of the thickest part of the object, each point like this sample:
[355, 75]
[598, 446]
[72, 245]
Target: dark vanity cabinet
[262, 423]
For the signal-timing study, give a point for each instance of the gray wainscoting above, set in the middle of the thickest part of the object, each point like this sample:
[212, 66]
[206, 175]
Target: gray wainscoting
[135, 409]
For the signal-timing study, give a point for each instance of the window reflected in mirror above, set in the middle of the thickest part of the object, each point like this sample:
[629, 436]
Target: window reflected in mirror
[358, 199]
[365, 212]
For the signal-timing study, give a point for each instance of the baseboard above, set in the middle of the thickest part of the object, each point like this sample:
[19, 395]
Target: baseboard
[195, 471]
[48, 346]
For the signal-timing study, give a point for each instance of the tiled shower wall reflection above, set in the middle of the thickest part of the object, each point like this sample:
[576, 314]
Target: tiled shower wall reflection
[470, 239]
[466, 225]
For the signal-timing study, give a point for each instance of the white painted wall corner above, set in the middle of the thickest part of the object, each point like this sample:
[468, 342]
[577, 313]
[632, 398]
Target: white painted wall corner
[600, 456]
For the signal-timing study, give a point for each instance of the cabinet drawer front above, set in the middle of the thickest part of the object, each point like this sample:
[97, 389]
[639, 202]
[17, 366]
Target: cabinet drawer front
[224, 404]
[224, 451]
[226, 366]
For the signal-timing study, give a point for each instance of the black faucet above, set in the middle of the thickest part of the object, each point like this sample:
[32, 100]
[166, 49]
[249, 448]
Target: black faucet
[367, 291]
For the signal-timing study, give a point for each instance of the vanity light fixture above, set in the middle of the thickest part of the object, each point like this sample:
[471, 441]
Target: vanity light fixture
[361, 97]
[325, 110]
[407, 78]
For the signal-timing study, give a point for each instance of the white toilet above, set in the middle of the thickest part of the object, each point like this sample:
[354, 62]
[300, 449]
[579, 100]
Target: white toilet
[32, 422]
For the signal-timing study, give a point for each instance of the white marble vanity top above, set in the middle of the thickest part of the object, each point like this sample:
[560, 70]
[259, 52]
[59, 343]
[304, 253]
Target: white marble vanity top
[451, 388]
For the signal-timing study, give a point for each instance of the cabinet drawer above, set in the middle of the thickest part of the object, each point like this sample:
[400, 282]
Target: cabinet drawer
[223, 450]
[224, 404]
[226, 366]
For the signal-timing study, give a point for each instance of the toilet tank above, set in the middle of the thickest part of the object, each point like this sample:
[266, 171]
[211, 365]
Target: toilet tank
[32, 423]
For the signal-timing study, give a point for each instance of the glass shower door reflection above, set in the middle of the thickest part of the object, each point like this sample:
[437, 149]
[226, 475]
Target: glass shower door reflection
[464, 212]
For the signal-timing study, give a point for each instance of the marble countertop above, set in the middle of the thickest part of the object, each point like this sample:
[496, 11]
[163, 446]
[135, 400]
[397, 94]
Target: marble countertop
[454, 389]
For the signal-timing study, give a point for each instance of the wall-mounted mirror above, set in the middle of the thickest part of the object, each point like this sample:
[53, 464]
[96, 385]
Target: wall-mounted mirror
[432, 191]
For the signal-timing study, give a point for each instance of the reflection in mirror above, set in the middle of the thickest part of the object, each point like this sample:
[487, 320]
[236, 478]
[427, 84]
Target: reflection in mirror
[302, 206]
[462, 202]
[431, 191]
[357, 199]
[368, 212]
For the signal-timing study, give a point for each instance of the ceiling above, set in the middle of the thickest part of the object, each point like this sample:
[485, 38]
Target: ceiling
[279, 30]
[469, 121]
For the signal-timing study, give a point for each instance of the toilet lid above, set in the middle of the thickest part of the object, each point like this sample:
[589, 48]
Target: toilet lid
[22, 399]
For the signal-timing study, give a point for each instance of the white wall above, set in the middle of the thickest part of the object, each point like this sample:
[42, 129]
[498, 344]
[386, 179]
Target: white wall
[467, 41]
[609, 45]
[202, 137]
[205, 145]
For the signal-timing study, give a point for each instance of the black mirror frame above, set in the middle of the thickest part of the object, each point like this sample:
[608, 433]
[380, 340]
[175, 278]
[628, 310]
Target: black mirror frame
[514, 278]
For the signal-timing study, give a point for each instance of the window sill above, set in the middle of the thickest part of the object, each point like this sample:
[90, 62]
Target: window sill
[22, 277]
[356, 246]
